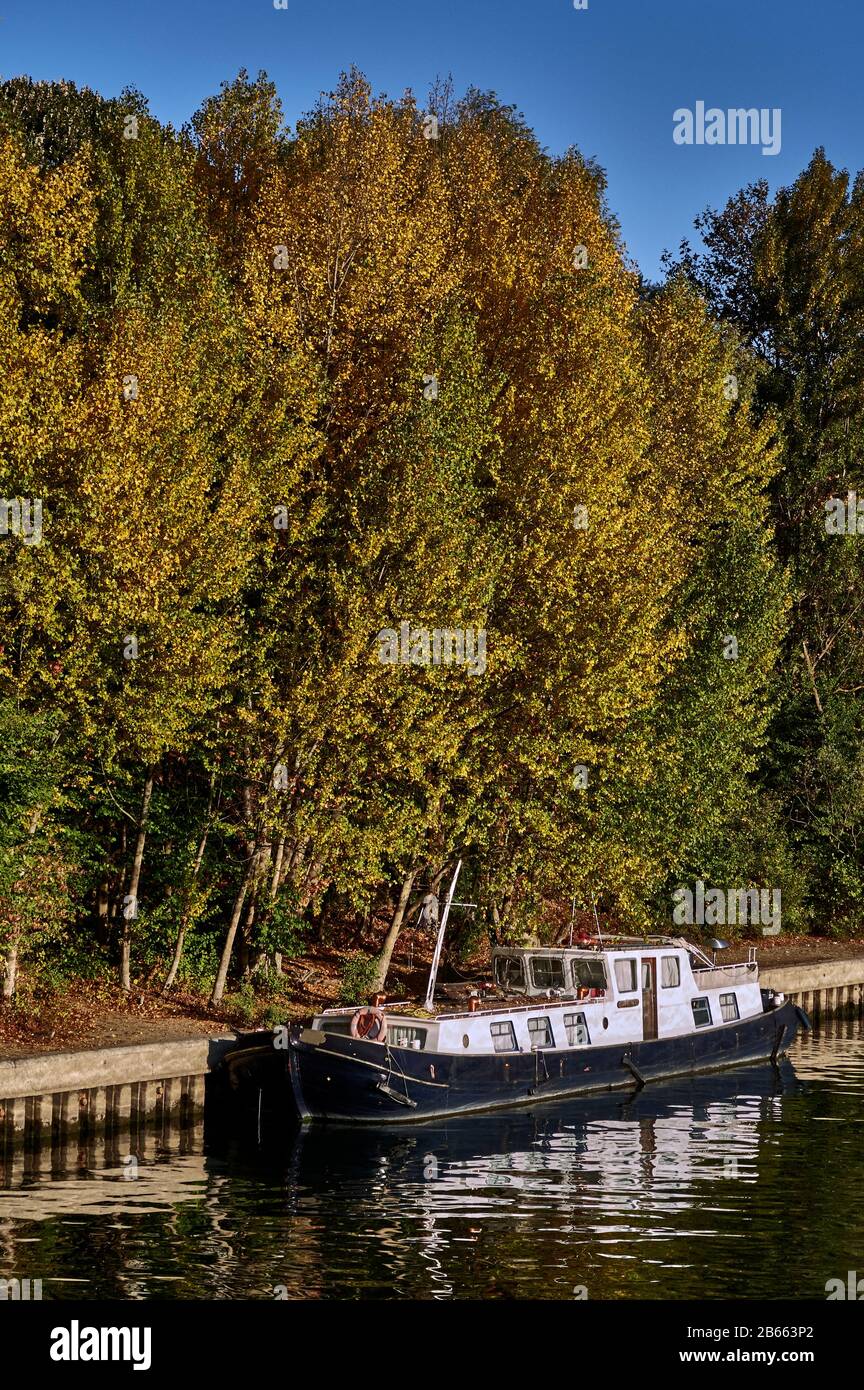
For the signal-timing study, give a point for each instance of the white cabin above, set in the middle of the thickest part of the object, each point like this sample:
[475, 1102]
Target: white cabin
[563, 998]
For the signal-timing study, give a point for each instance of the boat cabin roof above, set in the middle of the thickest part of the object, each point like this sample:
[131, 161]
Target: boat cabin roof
[602, 950]
[605, 946]
[545, 972]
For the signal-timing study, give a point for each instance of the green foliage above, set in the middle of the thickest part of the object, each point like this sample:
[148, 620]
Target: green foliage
[34, 875]
[281, 927]
[244, 1003]
[358, 978]
[789, 275]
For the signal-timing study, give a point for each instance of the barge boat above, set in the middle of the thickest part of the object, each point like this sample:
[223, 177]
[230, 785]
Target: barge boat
[552, 1022]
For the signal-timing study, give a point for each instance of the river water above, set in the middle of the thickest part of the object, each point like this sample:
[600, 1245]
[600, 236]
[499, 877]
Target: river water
[747, 1184]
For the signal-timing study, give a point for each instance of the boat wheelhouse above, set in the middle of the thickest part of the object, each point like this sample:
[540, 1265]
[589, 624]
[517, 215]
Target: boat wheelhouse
[550, 1022]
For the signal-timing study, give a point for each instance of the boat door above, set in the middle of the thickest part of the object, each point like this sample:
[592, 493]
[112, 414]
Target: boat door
[649, 997]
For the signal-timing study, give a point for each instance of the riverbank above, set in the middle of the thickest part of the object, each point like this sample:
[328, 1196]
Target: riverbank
[87, 1014]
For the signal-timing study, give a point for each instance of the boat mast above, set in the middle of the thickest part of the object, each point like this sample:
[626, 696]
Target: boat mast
[433, 973]
[596, 918]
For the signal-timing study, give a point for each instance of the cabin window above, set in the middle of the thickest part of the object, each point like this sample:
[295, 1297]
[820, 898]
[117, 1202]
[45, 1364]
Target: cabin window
[547, 972]
[341, 1027]
[670, 972]
[625, 976]
[510, 972]
[540, 1033]
[503, 1037]
[588, 974]
[701, 1012]
[729, 1008]
[403, 1035]
[577, 1030]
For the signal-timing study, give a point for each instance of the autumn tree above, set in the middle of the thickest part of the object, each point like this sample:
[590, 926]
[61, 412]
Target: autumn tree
[788, 274]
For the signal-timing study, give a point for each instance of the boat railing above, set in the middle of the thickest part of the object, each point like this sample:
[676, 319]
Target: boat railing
[735, 970]
[538, 1002]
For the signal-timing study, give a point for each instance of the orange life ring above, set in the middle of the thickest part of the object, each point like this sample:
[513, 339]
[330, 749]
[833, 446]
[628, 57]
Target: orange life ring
[369, 1024]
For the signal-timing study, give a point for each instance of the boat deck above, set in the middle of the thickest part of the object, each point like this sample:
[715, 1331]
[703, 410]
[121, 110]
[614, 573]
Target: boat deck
[493, 1001]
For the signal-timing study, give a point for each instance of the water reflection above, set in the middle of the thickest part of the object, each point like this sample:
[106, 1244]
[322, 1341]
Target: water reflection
[743, 1184]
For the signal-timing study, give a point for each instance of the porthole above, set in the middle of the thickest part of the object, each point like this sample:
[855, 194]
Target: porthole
[605, 1023]
[465, 1040]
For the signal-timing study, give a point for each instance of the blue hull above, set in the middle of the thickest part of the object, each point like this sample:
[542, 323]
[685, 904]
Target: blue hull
[351, 1081]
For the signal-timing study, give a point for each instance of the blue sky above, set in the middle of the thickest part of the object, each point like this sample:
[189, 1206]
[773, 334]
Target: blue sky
[606, 79]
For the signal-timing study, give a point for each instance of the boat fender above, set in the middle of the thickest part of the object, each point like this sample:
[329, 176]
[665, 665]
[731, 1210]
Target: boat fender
[804, 1019]
[369, 1024]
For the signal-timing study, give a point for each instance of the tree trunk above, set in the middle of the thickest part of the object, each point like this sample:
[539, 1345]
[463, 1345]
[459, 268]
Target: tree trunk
[811, 671]
[245, 950]
[393, 931]
[227, 949]
[134, 880]
[276, 876]
[274, 889]
[187, 908]
[10, 964]
[10, 967]
[438, 879]
[502, 915]
[312, 884]
[297, 855]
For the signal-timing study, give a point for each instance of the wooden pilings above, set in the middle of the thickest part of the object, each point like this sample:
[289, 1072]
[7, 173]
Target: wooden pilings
[56, 1100]
[142, 1112]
